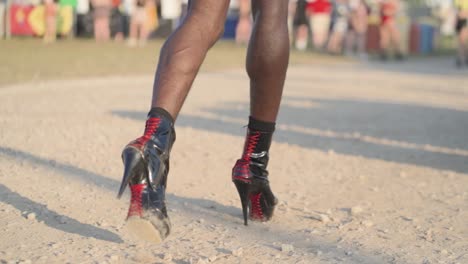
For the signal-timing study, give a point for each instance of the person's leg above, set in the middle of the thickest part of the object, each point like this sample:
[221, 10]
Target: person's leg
[384, 41]
[267, 62]
[133, 34]
[184, 51]
[395, 41]
[301, 37]
[268, 57]
[106, 26]
[462, 44]
[146, 159]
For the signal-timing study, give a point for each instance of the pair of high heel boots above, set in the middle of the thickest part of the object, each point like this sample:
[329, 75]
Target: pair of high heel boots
[146, 162]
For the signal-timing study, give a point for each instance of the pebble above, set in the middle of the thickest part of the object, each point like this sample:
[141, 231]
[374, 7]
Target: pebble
[367, 223]
[62, 220]
[355, 210]
[200, 261]
[201, 220]
[31, 216]
[114, 257]
[349, 253]
[406, 218]
[212, 258]
[320, 217]
[103, 224]
[167, 257]
[238, 252]
[444, 252]
[26, 261]
[287, 248]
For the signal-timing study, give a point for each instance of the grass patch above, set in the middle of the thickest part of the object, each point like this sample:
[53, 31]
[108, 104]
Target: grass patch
[29, 60]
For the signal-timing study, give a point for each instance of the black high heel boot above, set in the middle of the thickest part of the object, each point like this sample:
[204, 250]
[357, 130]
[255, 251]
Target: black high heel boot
[250, 176]
[146, 162]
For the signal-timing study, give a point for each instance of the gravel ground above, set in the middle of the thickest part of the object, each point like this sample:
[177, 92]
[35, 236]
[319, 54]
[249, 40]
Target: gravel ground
[370, 164]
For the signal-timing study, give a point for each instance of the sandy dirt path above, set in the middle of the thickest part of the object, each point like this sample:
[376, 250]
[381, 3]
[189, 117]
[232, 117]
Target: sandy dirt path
[370, 163]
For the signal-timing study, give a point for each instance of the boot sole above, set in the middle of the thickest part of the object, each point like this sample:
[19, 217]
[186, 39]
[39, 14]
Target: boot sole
[143, 229]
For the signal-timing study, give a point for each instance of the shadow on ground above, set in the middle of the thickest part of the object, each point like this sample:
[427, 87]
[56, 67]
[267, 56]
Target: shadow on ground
[212, 212]
[53, 219]
[403, 133]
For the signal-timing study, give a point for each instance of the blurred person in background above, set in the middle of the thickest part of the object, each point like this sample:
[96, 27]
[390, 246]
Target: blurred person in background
[462, 32]
[358, 23]
[146, 159]
[72, 4]
[319, 12]
[101, 15]
[245, 22]
[300, 29]
[117, 21]
[389, 33]
[339, 26]
[2, 17]
[138, 30]
[51, 10]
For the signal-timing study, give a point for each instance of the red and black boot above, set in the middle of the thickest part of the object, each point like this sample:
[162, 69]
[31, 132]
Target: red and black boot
[250, 174]
[146, 162]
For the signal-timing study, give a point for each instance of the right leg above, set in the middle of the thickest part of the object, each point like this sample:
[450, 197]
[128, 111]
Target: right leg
[267, 62]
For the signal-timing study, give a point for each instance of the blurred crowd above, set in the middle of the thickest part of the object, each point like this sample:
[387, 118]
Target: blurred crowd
[350, 27]
[340, 26]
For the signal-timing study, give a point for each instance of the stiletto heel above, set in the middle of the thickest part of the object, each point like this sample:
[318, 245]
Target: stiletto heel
[243, 190]
[133, 164]
[251, 178]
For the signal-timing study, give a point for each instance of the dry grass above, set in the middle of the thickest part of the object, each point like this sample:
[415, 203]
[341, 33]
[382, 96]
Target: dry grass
[29, 60]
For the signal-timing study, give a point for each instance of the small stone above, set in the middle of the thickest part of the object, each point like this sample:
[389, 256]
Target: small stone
[318, 253]
[320, 217]
[402, 174]
[367, 223]
[31, 216]
[444, 252]
[167, 257]
[201, 221]
[238, 252]
[200, 261]
[212, 258]
[62, 220]
[114, 257]
[103, 224]
[287, 248]
[406, 218]
[54, 245]
[349, 253]
[26, 261]
[355, 210]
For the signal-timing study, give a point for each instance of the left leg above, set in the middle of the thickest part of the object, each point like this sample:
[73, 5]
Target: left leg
[267, 62]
